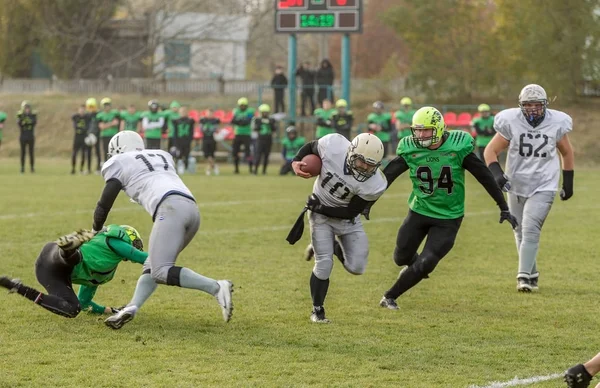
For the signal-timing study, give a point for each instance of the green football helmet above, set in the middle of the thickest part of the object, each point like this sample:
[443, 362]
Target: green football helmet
[134, 236]
[428, 118]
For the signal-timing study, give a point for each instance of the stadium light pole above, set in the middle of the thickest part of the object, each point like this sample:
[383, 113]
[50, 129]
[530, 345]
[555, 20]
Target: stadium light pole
[346, 67]
[292, 57]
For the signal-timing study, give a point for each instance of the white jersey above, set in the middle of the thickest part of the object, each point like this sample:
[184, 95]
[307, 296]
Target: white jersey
[147, 176]
[336, 186]
[533, 163]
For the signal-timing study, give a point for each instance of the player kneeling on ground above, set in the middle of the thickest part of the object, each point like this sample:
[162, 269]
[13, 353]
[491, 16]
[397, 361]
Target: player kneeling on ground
[80, 258]
[437, 160]
[149, 178]
[348, 180]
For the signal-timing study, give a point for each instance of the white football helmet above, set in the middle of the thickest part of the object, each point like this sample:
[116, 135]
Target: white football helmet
[90, 140]
[368, 149]
[533, 93]
[125, 141]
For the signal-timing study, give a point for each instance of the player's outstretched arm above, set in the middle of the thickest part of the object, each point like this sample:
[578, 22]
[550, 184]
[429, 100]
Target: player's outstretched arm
[107, 199]
[568, 165]
[484, 176]
[126, 251]
[394, 169]
[85, 296]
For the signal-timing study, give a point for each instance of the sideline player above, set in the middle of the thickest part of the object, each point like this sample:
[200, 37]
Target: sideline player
[532, 133]
[436, 160]
[149, 178]
[80, 258]
[349, 179]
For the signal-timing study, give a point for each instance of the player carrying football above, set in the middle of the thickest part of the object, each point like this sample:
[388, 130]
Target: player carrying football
[349, 179]
[436, 160]
[149, 178]
[80, 258]
[532, 135]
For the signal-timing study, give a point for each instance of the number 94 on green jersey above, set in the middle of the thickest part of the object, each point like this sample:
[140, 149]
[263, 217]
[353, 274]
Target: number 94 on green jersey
[438, 176]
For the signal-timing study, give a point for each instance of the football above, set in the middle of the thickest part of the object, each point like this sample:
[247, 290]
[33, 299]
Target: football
[313, 164]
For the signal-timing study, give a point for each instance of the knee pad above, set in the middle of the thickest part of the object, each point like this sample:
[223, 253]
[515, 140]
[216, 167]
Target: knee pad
[322, 269]
[166, 275]
[70, 310]
[355, 268]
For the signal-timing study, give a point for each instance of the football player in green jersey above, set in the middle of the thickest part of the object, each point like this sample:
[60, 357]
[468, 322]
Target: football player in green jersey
[290, 146]
[404, 118]
[436, 160]
[323, 116]
[380, 124]
[483, 127]
[80, 258]
[108, 122]
[342, 119]
[242, 124]
[131, 119]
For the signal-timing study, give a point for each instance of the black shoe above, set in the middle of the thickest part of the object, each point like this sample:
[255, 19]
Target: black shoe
[388, 303]
[10, 284]
[318, 315]
[523, 285]
[72, 172]
[533, 282]
[577, 377]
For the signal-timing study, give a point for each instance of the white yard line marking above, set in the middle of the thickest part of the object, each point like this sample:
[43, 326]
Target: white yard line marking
[517, 381]
[201, 205]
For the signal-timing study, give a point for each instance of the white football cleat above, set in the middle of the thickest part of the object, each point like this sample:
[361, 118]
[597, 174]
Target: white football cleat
[118, 320]
[224, 298]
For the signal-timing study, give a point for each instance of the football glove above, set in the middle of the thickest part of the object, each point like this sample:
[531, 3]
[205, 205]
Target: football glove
[567, 187]
[499, 176]
[506, 216]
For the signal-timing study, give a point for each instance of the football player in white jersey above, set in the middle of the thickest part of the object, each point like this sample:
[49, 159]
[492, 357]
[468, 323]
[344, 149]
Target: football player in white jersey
[149, 178]
[532, 134]
[350, 178]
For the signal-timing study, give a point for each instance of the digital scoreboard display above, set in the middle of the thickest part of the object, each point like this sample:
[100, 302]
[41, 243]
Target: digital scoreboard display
[297, 16]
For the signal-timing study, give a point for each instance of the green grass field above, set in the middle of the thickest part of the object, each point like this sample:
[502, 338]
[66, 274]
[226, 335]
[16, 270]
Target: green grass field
[465, 326]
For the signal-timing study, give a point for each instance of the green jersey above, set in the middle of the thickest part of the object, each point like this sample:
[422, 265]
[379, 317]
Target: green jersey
[383, 119]
[405, 118]
[153, 124]
[291, 147]
[100, 258]
[131, 120]
[242, 121]
[107, 117]
[169, 117]
[324, 125]
[2, 120]
[484, 127]
[438, 176]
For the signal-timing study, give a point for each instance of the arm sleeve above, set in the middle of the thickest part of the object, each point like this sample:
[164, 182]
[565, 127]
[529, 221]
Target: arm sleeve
[126, 251]
[312, 147]
[85, 296]
[354, 208]
[394, 169]
[107, 199]
[484, 176]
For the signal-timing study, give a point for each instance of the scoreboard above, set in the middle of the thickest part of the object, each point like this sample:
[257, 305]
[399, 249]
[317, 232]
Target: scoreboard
[298, 16]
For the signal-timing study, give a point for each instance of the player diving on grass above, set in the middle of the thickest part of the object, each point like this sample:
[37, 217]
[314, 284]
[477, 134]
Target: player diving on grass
[349, 179]
[84, 259]
[436, 160]
[149, 178]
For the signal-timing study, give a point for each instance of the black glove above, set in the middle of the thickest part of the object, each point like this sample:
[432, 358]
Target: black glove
[313, 202]
[506, 216]
[499, 176]
[367, 211]
[567, 188]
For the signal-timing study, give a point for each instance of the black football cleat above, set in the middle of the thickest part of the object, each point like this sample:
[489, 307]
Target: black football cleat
[10, 284]
[318, 315]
